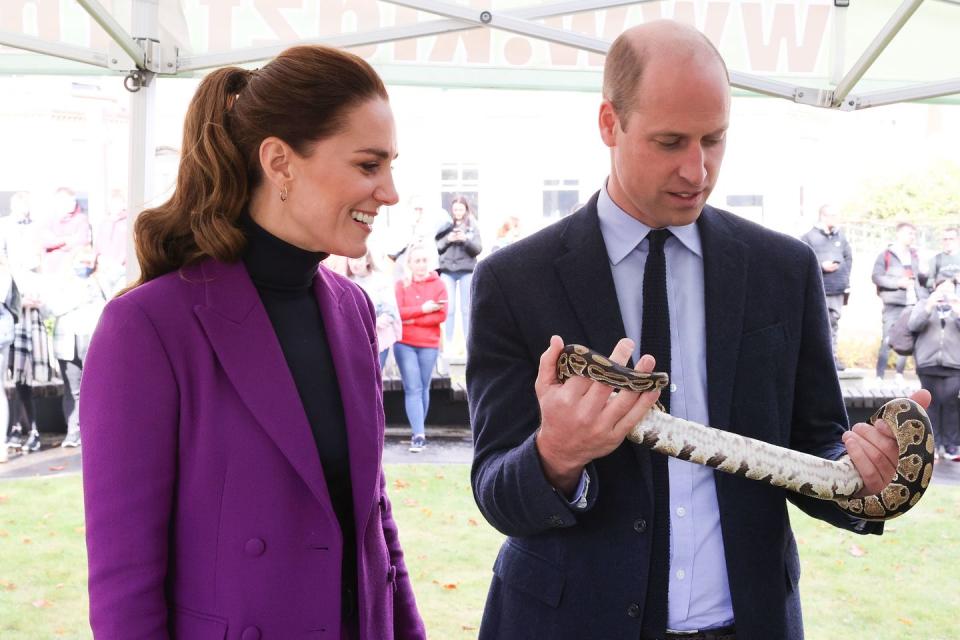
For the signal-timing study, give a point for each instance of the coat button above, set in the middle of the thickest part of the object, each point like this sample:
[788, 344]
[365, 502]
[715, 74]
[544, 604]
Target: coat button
[633, 611]
[250, 633]
[640, 525]
[255, 547]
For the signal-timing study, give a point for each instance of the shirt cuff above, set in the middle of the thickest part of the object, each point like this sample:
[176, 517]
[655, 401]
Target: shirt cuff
[580, 495]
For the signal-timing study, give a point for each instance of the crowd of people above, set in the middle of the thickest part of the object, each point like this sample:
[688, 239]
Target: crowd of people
[56, 273]
[922, 299]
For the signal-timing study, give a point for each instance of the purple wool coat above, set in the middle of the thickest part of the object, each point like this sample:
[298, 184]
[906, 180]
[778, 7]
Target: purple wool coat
[207, 512]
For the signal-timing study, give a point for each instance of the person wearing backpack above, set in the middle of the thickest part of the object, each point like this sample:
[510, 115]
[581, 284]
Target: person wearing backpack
[935, 321]
[896, 273]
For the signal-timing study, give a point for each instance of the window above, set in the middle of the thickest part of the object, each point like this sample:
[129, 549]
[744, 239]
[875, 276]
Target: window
[560, 197]
[460, 179]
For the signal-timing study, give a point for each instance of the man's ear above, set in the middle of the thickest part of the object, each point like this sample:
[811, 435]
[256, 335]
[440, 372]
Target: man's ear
[609, 124]
[275, 158]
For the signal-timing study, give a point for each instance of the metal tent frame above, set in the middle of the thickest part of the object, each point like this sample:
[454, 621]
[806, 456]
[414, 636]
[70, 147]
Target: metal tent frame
[142, 56]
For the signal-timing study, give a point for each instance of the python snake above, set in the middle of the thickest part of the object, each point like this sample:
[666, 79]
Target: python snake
[836, 480]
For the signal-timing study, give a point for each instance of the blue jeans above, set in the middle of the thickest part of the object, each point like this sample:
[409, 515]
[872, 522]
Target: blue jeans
[383, 357]
[452, 281]
[416, 369]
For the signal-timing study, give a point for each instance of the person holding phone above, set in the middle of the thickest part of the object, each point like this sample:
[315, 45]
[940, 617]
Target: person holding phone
[833, 251]
[936, 322]
[422, 300]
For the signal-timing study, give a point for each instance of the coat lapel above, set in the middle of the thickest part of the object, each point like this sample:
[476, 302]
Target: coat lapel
[360, 387]
[725, 265]
[583, 268]
[246, 345]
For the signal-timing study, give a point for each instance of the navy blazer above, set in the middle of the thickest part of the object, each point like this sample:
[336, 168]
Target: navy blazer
[583, 575]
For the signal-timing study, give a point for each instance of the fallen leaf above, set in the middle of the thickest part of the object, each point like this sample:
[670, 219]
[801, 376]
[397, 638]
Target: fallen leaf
[400, 484]
[426, 512]
[7, 586]
[3, 498]
[27, 541]
[439, 476]
[4, 534]
[57, 467]
[450, 586]
[410, 502]
[467, 627]
[59, 585]
[80, 530]
[472, 522]
[906, 621]
[856, 551]
[42, 604]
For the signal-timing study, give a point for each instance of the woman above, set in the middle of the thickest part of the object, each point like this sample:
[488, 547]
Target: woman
[233, 427]
[74, 302]
[9, 312]
[422, 301]
[458, 244]
[379, 288]
[936, 323]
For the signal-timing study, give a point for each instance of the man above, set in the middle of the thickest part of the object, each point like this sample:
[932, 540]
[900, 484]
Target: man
[551, 468]
[836, 260]
[946, 258]
[896, 272]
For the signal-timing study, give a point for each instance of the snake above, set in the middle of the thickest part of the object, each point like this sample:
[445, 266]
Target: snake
[796, 471]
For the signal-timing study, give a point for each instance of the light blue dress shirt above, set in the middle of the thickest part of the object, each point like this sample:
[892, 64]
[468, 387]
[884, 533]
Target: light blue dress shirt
[699, 595]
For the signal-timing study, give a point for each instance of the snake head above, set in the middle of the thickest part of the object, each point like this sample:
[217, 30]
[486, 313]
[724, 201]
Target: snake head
[577, 360]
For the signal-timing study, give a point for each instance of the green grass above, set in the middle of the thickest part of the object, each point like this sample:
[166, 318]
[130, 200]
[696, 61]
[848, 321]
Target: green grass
[901, 585]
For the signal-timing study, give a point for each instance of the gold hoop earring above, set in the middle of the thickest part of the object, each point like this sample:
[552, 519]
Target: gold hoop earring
[283, 193]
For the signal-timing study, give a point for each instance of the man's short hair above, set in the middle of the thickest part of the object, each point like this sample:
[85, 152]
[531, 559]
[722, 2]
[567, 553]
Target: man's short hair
[901, 225]
[952, 230]
[623, 70]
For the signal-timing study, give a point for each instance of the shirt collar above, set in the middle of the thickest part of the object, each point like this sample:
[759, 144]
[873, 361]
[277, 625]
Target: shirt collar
[622, 232]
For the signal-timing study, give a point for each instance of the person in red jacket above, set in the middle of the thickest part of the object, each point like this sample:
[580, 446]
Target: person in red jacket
[422, 300]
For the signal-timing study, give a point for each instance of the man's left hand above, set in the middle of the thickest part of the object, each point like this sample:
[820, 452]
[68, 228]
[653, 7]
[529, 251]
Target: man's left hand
[874, 451]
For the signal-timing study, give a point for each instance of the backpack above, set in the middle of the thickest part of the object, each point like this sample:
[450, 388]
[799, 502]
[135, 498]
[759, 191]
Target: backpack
[900, 338]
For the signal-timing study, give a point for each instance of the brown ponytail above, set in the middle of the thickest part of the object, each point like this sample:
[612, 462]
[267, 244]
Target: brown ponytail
[301, 97]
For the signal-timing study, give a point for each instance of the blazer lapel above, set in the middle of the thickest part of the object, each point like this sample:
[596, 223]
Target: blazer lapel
[246, 345]
[360, 388]
[725, 265]
[583, 268]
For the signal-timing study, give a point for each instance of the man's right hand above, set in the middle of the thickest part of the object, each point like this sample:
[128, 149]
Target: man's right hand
[581, 419]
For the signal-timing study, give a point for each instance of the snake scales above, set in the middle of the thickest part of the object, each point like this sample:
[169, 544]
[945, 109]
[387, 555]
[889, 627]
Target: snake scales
[836, 480]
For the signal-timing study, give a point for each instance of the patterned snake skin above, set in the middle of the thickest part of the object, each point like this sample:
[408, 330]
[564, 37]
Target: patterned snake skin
[799, 472]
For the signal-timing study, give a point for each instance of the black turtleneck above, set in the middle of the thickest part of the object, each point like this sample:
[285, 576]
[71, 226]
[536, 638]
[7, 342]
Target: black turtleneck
[283, 275]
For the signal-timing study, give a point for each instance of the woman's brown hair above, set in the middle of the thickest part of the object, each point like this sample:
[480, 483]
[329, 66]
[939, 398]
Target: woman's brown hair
[301, 96]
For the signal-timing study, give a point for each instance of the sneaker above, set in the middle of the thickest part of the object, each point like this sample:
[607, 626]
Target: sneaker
[15, 439]
[840, 366]
[417, 444]
[72, 440]
[32, 444]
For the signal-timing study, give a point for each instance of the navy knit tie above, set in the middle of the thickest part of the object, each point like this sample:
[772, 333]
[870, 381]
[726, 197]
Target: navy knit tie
[655, 340]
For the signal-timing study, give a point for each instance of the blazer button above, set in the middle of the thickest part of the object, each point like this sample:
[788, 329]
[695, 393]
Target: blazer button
[250, 633]
[255, 547]
[640, 525]
[633, 611]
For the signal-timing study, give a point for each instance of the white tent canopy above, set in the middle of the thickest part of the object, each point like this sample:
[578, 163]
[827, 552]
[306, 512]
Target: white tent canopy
[819, 53]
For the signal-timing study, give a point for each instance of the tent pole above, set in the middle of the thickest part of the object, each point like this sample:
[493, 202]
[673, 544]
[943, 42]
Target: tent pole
[109, 24]
[899, 18]
[144, 24]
